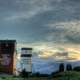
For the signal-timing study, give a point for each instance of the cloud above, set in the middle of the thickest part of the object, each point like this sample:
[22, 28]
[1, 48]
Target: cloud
[41, 21]
[34, 7]
[67, 31]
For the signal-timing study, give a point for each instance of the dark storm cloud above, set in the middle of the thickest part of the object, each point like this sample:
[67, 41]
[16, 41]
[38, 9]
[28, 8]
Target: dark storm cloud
[34, 20]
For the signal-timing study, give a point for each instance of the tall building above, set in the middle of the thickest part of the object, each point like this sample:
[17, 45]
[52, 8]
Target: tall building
[7, 56]
[26, 59]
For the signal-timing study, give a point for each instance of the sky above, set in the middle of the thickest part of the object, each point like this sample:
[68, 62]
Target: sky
[41, 23]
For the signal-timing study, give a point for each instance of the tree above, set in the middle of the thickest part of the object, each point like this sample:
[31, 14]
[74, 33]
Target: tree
[77, 68]
[68, 67]
[61, 67]
[24, 74]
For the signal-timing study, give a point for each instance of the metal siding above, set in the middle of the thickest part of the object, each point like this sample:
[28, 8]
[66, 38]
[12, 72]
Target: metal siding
[26, 59]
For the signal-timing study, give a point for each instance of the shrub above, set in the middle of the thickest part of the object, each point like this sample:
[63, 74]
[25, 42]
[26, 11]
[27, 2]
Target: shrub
[24, 73]
[76, 68]
[68, 67]
[44, 75]
[61, 67]
[37, 74]
[53, 73]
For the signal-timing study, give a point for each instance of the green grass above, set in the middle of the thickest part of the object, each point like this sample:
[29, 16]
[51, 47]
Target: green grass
[34, 78]
[69, 75]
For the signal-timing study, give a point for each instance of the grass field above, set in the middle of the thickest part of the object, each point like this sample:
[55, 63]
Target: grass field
[70, 75]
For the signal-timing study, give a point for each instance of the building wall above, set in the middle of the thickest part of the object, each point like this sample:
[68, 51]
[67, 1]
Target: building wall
[26, 59]
[7, 56]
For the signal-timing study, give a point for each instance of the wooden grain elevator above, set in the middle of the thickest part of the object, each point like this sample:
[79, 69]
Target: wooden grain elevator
[7, 56]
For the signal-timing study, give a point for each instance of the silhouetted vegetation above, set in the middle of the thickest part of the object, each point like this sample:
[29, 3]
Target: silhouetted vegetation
[53, 73]
[40, 75]
[24, 74]
[61, 67]
[36, 74]
[67, 75]
[76, 68]
[68, 67]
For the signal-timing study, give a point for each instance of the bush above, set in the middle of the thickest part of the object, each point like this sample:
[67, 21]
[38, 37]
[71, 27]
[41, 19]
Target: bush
[39, 75]
[68, 67]
[44, 75]
[24, 73]
[76, 68]
[53, 73]
[61, 67]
